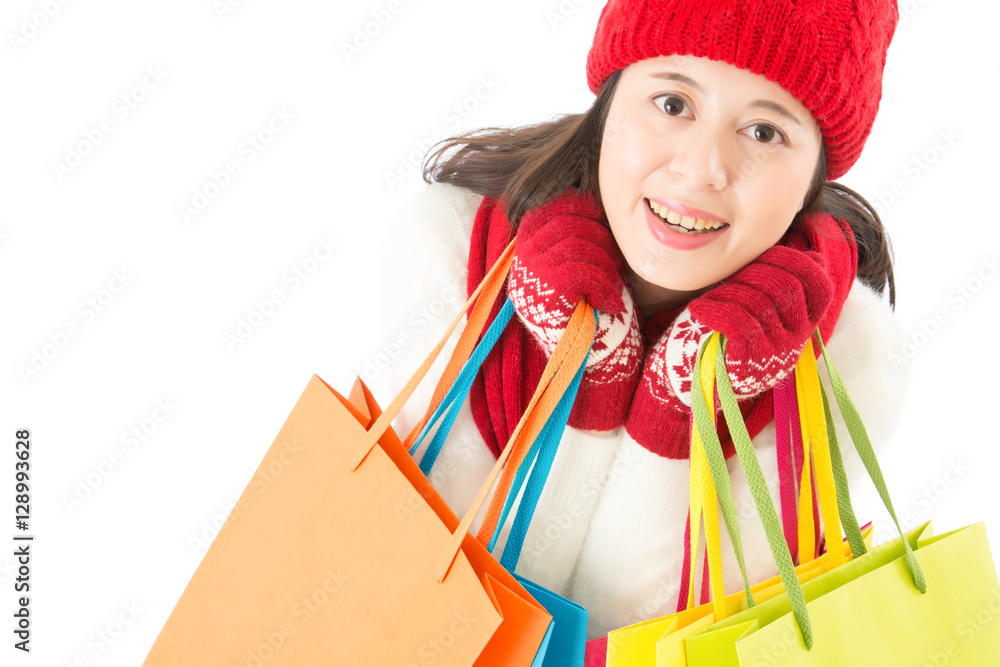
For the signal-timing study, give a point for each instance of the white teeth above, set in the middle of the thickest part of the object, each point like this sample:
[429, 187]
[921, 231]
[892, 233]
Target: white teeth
[687, 223]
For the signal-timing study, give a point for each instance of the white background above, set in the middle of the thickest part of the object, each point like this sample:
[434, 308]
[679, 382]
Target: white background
[357, 120]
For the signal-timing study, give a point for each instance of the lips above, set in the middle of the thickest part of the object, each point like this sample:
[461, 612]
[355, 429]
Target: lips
[677, 236]
[685, 218]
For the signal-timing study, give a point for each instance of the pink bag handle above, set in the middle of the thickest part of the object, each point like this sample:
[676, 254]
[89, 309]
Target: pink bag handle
[784, 395]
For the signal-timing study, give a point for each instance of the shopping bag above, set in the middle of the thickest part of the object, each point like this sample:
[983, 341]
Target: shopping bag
[659, 641]
[710, 493]
[865, 612]
[350, 556]
[564, 642]
[596, 652]
[918, 599]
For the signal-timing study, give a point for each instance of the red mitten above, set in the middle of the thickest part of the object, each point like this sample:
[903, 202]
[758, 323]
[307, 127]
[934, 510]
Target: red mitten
[563, 245]
[767, 311]
[563, 254]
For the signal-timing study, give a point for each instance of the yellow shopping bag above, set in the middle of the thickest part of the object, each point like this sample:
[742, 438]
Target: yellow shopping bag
[659, 641]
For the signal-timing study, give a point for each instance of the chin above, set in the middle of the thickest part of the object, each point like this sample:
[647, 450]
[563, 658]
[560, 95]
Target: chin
[675, 281]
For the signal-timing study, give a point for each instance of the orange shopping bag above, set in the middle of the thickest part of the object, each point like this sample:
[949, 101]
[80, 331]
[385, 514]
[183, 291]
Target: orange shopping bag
[350, 557]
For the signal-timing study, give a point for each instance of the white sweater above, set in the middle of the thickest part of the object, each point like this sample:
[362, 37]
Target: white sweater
[609, 527]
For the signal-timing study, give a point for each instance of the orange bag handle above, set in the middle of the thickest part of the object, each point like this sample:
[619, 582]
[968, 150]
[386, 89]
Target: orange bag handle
[556, 378]
[489, 289]
[468, 338]
[566, 359]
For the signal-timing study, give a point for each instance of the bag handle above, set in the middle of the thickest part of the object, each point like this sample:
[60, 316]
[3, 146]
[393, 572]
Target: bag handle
[467, 340]
[785, 406]
[546, 442]
[707, 458]
[573, 346]
[790, 448]
[815, 433]
[818, 427]
[854, 534]
[483, 298]
[570, 352]
[455, 397]
[762, 497]
[758, 488]
[539, 460]
[864, 448]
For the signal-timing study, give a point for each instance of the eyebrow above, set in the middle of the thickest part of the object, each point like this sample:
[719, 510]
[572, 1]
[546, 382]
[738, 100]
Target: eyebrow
[763, 104]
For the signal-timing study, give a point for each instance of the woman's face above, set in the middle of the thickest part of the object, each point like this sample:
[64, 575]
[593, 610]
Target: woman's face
[712, 147]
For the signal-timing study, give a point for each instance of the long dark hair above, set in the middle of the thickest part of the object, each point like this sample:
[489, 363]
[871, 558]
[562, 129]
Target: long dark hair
[526, 166]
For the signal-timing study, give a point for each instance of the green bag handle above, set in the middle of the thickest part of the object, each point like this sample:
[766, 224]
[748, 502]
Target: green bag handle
[717, 466]
[864, 448]
[762, 497]
[755, 479]
[847, 518]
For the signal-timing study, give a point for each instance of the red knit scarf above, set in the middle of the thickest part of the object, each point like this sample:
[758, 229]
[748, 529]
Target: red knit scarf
[510, 373]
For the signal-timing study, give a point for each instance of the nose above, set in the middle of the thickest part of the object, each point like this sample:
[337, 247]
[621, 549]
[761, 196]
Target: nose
[700, 157]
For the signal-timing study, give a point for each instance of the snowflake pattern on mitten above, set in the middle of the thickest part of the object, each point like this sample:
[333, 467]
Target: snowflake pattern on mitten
[670, 364]
[616, 352]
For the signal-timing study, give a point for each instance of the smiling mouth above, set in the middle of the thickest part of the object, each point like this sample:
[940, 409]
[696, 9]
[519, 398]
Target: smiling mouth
[684, 224]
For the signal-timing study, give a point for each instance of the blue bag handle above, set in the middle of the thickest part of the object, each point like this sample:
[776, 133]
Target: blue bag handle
[542, 451]
[461, 387]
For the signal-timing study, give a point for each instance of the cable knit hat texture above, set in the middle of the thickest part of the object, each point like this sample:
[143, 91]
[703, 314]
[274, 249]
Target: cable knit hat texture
[829, 54]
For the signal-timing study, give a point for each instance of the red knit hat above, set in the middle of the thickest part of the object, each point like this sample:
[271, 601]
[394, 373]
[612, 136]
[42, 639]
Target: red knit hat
[829, 54]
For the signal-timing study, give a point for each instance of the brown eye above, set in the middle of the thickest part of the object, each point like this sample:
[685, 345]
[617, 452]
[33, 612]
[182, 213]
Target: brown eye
[766, 134]
[671, 104]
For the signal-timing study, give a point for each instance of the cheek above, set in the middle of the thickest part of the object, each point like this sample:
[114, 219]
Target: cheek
[775, 197]
[626, 152]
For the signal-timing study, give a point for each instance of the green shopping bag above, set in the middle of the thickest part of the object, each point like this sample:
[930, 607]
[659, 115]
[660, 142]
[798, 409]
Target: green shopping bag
[659, 642]
[866, 612]
[917, 600]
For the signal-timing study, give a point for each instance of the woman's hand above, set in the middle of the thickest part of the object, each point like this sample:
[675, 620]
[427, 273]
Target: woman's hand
[767, 311]
[564, 253]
